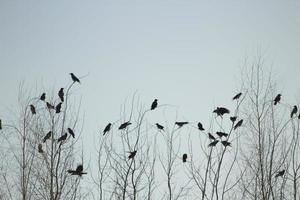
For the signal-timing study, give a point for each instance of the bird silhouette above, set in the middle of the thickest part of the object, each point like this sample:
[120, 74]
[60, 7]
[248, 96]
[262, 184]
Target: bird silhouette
[124, 125]
[238, 124]
[43, 97]
[225, 143]
[61, 94]
[47, 136]
[49, 106]
[277, 99]
[74, 78]
[160, 127]
[200, 126]
[71, 132]
[154, 104]
[78, 171]
[294, 111]
[184, 157]
[180, 124]
[280, 173]
[40, 148]
[221, 134]
[107, 128]
[0, 124]
[236, 97]
[58, 108]
[214, 143]
[211, 136]
[233, 119]
[32, 108]
[62, 138]
[132, 154]
[220, 111]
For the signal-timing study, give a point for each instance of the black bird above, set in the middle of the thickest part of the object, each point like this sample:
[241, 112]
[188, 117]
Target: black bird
[160, 127]
[132, 154]
[200, 127]
[78, 171]
[107, 128]
[40, 148]
[74, 78]
[47, 136]
[58, 108]
[280, 173]
[124, 125]
[238, 124]
[225, 143]
[184, 157]
[233, 119]
[180, 124]
[212, 144]
[221, 134]
[32, 108]
[211, 136]
[49, 106]
[43, 97]
[71, 132]
[61, 94]
[277, 99]
[220, 111]
[0, 124]
[294, 111]
[237, 96]
[62, 138]
[154, 104]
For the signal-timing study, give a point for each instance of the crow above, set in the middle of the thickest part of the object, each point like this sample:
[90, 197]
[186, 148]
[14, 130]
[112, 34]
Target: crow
[40, 148]
[107, 128]
[294, 111]
[74, 78]
[78, 171]
[184, 157]
[180, 124]
[132, 154]
[236, 97]
[58, 108]
[43, 97]
[220, 111]
[225, 143]
[71, 132]
[124, 125]
[47, 136]
[200, 127]
[212, 144]
[154, 104]
[238, 124]
[32, 108]
[211, 136]
[160, 127]
[221, 134]
[233, 119]
[280, 173]
[49, 106]
[61, 94]
[0, 124]
[63, 137]
[277, 99]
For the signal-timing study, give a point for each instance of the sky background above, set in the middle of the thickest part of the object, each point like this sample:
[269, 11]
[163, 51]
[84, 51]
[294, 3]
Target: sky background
[184, 53]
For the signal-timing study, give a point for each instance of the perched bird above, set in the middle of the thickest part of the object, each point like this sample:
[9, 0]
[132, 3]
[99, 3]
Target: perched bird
[154, 104]
[237, 96]
[184, 157]
[47, 136]
[71, 132]
[212, 144]
[49, 106]
[0, 124]
[180, 124]
[200, 127]
[32, 108]
[74, 78]
[211, 136]
[277, 99]
[160, 127]
[61, 94]
[62, 138]
[225, 143]
[233, 119]
[238, 124]
[107, 128]
[78, 171]
[43, 97]
[58, 108]
[124, 125]
[280, 173]
[221, 134]
[40, 148]
[220, 111]
[132, 154]
[294, 111]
